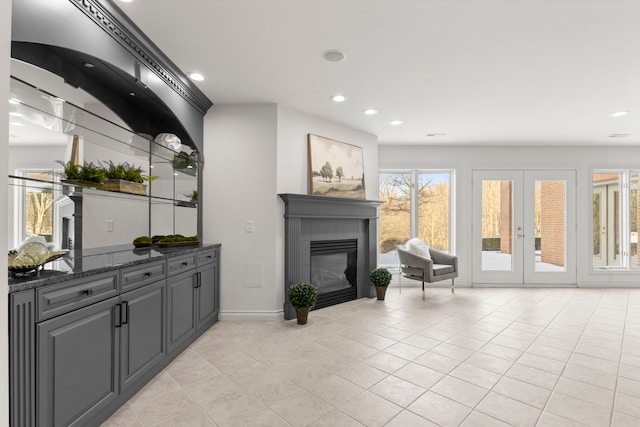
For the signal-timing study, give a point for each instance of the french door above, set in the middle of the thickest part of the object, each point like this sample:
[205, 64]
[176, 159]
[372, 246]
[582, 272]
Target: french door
[524, 229]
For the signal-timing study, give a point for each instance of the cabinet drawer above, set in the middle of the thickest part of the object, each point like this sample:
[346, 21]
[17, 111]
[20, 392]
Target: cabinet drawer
[181, 263]
[61, 298]
[139, 275]
[205, 257]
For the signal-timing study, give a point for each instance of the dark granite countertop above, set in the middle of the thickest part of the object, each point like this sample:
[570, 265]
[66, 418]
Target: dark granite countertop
[86, 262]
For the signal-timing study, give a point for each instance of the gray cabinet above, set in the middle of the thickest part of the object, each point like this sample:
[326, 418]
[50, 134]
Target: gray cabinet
[207, 290]
[181, 309]
[193, 297]
[89, 356]
[77, 362]
[143, 332]
[81, 348]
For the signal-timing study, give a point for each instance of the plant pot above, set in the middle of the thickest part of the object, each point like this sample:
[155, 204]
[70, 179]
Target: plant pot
[302, 313]
[125, 186]
[380, 292]
[90, 184]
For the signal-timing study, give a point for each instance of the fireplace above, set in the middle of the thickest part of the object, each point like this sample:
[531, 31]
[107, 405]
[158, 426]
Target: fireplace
[334, 270]
[331, 241]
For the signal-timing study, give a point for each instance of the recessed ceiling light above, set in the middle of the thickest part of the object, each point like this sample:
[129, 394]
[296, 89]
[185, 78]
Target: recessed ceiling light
[395, 122]
[334, 55]
[14, 101]
[436, 134]
[196, 76]
[338, 98]
[88, 65]
[619, 113]
[132, 94]
[370, 112]
[618, 135]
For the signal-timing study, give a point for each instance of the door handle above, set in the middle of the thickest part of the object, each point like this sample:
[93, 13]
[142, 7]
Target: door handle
[118, 315]
[125, 311]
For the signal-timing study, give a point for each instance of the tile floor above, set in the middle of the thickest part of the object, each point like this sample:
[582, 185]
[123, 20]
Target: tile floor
[481, 357]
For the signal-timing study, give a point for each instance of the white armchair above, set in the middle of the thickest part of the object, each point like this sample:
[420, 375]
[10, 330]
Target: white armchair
[434, 267]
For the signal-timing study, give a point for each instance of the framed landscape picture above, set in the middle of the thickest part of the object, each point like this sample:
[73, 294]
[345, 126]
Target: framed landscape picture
[335, 168]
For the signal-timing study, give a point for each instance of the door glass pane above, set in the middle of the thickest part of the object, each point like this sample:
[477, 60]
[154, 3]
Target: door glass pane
[606, 219]
[433, 209]
[497, 225]
[597, 234]
[395, 214]
[550, 225]
[633, 220]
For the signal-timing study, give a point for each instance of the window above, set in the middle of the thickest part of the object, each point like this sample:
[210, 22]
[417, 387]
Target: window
[415, 203]
[615, 219]
[36, 205]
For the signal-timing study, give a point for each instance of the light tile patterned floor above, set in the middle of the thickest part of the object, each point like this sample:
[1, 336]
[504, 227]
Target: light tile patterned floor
[482, 357]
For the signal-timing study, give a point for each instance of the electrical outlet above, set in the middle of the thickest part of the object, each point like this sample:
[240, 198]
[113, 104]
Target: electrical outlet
[109, 225]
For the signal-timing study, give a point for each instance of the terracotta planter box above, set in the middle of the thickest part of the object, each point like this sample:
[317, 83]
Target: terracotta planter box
[125, 186]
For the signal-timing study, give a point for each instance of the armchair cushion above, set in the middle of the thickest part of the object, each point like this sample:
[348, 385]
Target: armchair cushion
[418, 247]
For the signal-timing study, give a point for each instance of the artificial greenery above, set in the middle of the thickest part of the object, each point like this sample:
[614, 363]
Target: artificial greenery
[125, 171]
[302, 295]
[142, 239]
[380, 277]
[87, 172]
[185, 161]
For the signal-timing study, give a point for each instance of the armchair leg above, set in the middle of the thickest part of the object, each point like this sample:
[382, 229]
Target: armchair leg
[422, 289]
[452, 285]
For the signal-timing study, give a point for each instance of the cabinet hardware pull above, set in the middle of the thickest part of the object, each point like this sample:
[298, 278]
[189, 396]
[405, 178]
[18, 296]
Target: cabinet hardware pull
[209, 256]
[148, 273]
[118, 315]
[125, 311]
[88, 291]
[185, 263]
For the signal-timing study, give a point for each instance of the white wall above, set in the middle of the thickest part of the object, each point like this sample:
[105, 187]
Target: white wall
[253, 153]
[5, 54]
[465, 159]
[239, 181]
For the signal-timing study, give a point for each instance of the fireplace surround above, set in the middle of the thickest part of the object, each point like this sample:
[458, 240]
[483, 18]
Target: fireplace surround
[321, 221]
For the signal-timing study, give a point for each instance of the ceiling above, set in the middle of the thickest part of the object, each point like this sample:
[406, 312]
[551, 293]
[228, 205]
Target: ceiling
[516, 72]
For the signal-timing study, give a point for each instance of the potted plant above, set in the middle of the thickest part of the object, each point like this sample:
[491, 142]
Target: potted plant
[85, 174]
[125, 177]
[380, 277]
[302, 296]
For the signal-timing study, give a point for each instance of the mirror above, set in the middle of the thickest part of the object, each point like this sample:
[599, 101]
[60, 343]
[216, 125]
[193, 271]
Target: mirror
[52, 123]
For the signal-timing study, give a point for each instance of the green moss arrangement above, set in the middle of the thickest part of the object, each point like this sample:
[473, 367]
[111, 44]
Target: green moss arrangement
[176, 238]
[302, 295]
[380, 277]
[142, 241]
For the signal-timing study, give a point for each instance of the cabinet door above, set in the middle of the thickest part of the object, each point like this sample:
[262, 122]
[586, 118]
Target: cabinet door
[143, 333]
[77, 364]
[181, 294]
[207, 294]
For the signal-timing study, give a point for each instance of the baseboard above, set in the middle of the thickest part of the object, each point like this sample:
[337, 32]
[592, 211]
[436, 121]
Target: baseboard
[265, 315]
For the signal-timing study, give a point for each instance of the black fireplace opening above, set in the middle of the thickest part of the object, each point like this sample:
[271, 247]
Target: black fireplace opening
[334, 271]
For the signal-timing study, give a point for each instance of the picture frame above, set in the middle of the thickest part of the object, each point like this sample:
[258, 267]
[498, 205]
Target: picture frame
[336, 169]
